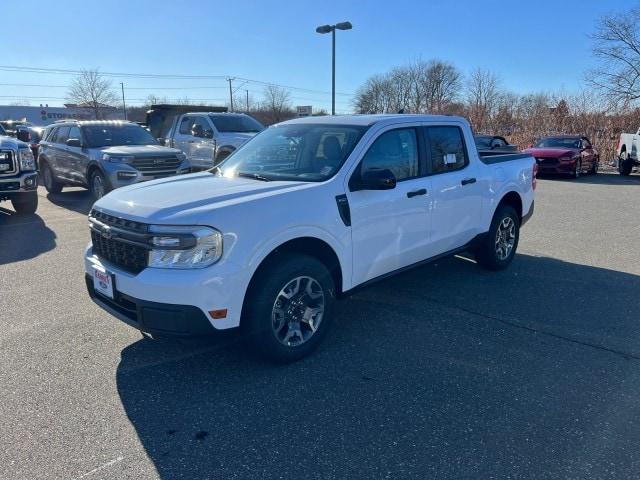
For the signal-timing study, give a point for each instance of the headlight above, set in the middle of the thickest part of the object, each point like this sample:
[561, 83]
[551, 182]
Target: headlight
[117, 158]
[27, 162]
[184, 247]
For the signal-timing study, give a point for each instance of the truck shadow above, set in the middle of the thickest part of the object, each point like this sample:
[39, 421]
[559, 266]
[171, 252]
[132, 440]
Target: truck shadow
[14, 229]
[431, 374]
[77, 200]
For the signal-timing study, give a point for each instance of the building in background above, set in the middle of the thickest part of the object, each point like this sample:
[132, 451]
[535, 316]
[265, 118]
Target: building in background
[44, 114]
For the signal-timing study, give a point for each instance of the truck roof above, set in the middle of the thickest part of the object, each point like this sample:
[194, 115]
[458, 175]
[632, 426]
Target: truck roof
[367, 120]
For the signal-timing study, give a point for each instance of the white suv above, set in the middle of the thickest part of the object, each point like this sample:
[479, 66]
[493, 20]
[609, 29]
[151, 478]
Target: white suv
[303, 213]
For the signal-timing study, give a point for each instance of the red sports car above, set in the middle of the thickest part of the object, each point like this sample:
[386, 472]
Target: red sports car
[565, 154]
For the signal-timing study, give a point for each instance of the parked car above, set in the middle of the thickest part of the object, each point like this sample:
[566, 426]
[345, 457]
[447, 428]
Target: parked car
[494, 144]
[268, 241]
[209, 138]
[103, 155]
[627, 152]
[10, 126]
[31, 135]
[18, 175]
[565, 154]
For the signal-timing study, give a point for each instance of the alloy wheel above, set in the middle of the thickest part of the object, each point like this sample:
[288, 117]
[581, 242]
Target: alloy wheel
[505, 238]
[297, 311]
[98, 186]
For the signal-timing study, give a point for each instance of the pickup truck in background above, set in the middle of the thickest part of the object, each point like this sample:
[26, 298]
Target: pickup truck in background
[18, 175]
[627, 152]
[207, 138]
[304, 213]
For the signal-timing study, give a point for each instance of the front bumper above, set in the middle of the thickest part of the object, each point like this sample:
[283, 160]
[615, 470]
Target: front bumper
[153, 317]
[25, 182]
[172, 301]
[559, 168]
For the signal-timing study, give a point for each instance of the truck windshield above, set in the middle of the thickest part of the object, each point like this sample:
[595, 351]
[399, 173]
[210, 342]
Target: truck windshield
[558, 142]
[236, 123]
[116, 134]
[303, 152]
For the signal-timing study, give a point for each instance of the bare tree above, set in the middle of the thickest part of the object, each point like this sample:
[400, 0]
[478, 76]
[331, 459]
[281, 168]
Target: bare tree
[91, 90]
[153, 99]
[277, 102]
[482, 98]
[617, 47]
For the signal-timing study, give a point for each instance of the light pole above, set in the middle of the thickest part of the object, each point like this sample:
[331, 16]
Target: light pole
[124, 105]
[332, 29]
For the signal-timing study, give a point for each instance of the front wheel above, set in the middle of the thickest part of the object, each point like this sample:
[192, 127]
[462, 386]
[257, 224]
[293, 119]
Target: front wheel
[497, 249]
[288, 309]
[99, 185]
[594, 167]
[26, 203]
[578, 169]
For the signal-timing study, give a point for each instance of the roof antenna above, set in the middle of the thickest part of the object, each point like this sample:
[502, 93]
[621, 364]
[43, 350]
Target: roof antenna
[401, 110]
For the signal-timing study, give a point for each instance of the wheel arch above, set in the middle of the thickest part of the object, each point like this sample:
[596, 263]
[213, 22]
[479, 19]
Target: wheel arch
[513, 199]
[92, 167]
[305, 245]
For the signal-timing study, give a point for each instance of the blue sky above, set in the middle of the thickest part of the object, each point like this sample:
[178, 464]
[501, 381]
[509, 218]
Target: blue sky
[532, 46]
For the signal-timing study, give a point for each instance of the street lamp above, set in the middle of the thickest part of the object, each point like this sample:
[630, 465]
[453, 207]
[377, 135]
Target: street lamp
[332, 29]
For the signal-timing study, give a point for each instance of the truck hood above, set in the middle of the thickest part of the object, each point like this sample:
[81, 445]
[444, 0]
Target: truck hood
[138, 150]
[183, 200]
[552, 152]
[234, 138]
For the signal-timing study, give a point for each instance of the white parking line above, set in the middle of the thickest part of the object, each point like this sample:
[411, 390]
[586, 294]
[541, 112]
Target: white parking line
[102, 467]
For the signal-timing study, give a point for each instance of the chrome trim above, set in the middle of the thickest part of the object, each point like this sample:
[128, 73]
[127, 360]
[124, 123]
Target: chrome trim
[14, 159]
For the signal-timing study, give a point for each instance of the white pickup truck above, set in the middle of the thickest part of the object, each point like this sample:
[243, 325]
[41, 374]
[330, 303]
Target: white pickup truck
[304, 213]
[207, 138]
[627, 153]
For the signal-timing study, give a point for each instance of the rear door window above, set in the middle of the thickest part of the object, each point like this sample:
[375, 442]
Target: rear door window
[63, 134]
[446, 149]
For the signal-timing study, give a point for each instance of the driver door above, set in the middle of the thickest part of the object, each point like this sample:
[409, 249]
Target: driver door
[390, 228]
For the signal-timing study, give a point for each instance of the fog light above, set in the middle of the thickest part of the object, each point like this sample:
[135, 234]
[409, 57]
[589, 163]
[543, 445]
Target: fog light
[30, 181]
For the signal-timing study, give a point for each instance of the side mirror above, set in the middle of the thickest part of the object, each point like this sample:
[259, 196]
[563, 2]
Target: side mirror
[74, 142]
[382, 179]
[161, 141]
[23, 135]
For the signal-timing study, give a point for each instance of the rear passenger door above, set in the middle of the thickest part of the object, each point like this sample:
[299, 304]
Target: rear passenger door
[59, 153]
[457, 199]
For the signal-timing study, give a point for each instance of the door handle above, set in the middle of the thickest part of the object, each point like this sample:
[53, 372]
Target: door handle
[191, 141]
[415, 193]
[467, 181]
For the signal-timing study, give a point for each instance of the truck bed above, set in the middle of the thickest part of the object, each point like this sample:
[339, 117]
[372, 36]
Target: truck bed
[491, 158]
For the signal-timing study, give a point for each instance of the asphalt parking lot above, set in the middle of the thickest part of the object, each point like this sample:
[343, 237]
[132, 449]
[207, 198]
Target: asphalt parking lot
[446, 371]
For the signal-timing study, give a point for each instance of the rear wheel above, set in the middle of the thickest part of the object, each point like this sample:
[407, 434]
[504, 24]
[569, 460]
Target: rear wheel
[625, 164]
[497, 249]
[289, 307]
[98, 185]
[48, 179]
[25, 203]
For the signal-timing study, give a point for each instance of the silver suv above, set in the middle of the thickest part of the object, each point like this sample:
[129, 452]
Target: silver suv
[102, 155]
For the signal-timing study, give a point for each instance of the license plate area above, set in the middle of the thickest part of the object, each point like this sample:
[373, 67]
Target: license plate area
[103, 282]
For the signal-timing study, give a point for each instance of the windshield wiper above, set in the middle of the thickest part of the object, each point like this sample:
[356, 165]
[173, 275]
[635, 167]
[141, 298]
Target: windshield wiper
[255, 176]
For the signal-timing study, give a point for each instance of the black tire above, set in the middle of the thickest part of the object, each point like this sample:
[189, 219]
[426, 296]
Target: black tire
[594, 167]
[49, 180]
[220, 157]
[26, 203]
[625, 165]
[578, 170]
[486, 252]
[97, 177]
[259, 323]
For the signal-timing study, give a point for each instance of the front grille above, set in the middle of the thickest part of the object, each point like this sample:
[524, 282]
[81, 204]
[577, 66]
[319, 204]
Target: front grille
[167, 165]
[9, 186]
[114, 221]
[547, 161]
[119, 249]
[131, 258]
[8, 165]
